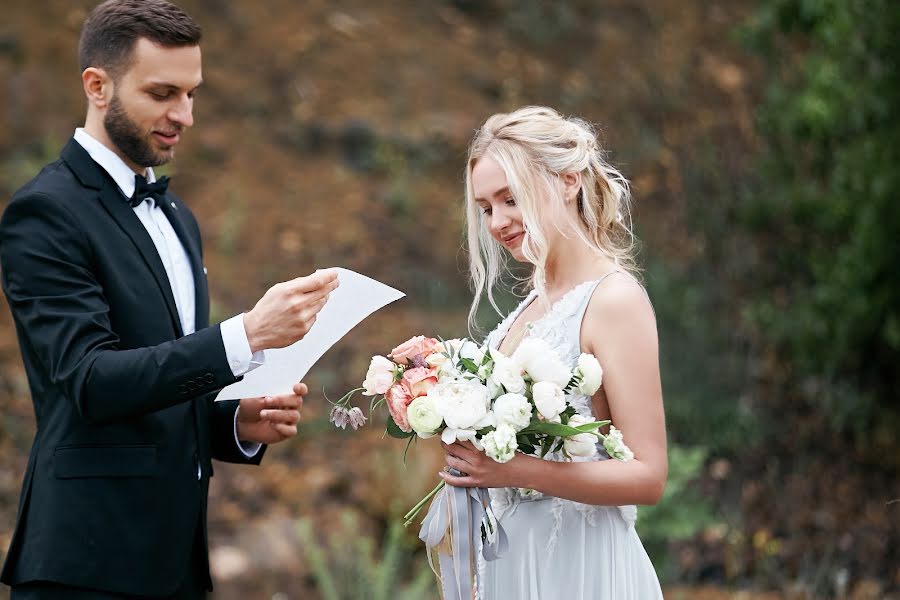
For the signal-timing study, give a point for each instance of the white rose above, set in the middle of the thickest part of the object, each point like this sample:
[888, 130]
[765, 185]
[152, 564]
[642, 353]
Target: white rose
[583, 444]
[424, 417]
[462, 403]
[501, 444]
[591, 374]
[541, 363]
[615, 445]
[513, 410]
[379, 377]
[549, 399]
[508, 374]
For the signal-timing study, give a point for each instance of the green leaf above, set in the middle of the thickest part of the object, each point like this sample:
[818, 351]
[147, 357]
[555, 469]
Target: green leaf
[394, 430]
[554, 429]
[469, 364]
[546, 444]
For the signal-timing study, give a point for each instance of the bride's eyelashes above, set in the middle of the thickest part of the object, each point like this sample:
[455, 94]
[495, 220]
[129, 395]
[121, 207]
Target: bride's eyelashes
[509, 202]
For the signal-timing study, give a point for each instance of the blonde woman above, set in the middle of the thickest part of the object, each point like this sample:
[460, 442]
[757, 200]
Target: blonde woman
[539, 189]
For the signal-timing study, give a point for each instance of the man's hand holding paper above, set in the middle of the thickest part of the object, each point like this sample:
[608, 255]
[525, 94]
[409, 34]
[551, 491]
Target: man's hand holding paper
[288, 310]
[297, 321]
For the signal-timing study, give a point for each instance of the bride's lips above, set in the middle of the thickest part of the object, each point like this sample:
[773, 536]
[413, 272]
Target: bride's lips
[169, 139]
[513, 239]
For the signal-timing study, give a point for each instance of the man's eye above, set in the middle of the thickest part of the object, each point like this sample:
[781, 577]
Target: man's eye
[159, 96]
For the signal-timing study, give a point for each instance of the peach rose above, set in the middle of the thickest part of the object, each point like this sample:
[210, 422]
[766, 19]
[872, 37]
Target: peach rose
[398, 398]
[419, 381]
[413, 347]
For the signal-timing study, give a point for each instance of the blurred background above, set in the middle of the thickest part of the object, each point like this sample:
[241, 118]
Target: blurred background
[762, 141]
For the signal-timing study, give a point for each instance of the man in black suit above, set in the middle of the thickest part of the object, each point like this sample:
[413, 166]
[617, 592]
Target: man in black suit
[102, 268]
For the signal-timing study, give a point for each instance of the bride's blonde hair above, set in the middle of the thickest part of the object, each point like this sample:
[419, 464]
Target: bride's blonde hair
[534, 146]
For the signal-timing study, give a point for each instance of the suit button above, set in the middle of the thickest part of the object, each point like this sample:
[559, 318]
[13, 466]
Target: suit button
[182, 389]
[209, 378]
[191, 385]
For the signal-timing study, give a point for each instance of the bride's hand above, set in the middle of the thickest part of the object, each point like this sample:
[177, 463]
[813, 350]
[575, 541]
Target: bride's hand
[477, 469]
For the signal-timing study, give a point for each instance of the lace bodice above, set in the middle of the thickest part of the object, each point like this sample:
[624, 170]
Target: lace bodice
[560, 327]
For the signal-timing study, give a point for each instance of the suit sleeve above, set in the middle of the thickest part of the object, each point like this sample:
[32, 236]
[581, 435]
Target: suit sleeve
[63, 320]
[221, 428]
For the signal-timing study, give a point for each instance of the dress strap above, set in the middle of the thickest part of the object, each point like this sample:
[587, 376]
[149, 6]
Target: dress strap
[586, 299]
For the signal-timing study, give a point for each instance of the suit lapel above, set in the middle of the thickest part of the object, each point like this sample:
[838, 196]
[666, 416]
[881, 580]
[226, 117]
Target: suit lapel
[93, 176]
[124, 215]
[175, 212]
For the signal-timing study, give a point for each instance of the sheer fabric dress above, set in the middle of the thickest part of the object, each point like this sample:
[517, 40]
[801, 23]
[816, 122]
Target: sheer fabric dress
[560, 548]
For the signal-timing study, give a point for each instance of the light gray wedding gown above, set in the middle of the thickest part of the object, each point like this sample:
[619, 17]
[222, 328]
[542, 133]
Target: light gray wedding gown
[560, 549]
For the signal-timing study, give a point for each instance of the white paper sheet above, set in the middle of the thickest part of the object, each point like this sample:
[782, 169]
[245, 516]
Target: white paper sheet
[355, 299]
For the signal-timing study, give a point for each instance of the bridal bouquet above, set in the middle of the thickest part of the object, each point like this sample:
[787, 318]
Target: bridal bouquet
[502, 404]
[462, 391]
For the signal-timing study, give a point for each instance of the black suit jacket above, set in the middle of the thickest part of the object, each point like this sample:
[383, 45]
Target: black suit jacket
[124, 401]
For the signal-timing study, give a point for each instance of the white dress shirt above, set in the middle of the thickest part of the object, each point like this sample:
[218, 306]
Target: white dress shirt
[174, 258]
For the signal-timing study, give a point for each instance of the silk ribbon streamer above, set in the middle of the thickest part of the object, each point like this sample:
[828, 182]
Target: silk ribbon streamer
[449, 529]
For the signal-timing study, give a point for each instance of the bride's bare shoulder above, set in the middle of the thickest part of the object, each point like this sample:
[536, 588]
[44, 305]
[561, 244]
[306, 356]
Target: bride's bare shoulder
[619, 306]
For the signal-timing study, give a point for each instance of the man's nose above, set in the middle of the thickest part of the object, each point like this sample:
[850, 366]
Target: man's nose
[183, 112]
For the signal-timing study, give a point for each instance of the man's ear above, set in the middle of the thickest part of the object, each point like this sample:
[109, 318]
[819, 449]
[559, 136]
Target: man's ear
[98, 86]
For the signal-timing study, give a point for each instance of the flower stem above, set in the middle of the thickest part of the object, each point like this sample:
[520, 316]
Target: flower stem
[408, 517]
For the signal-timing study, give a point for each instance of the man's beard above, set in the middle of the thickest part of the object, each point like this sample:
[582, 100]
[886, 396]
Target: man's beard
[128, 138]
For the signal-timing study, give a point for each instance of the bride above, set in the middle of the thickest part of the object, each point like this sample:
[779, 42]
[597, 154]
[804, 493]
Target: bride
[538, 187]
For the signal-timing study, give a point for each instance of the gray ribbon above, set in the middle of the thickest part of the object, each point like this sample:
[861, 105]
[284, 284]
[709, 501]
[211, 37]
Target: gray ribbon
[461, 509]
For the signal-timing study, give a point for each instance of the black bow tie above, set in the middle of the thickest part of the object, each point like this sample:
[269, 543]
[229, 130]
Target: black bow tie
[156, 191]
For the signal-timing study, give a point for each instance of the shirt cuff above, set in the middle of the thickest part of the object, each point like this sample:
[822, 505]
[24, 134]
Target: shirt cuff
[237, 348]
[250, 449]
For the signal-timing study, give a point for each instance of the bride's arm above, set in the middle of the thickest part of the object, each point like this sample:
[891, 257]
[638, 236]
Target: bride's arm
[620, 330]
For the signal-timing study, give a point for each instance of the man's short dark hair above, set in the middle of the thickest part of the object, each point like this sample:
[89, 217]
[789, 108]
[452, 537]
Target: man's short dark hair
[113, 28]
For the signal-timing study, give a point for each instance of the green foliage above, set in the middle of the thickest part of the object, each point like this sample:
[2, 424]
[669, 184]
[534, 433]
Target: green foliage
[394, 430]
[25, 162]
[703, 363]
[348, 565]
[827, 212]
[682, 512]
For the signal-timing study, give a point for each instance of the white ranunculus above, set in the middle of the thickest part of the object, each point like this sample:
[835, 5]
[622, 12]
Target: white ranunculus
[591, 374]
[424, 417]
[508, 374]
[501, 444]
[583, 444]
[549, 399]
[615, 445]
[513, 410]
[463, 403]
[541, 362]
[379, 377]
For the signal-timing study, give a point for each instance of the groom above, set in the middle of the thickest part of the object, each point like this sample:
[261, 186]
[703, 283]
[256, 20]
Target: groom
[102, 268]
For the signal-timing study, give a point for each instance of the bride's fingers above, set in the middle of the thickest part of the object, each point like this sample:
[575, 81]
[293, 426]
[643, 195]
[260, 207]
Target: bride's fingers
[456, 481]
[457, 463]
